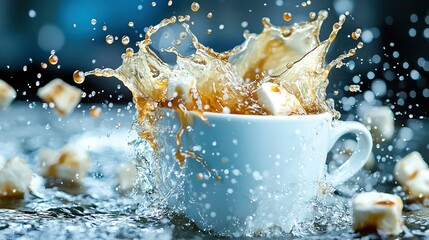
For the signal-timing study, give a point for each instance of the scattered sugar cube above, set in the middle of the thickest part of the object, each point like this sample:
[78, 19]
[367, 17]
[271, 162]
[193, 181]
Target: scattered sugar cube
[418, 186]
[15, 178]
[48, 158]
[70, 164]
[277, 101]
[126, 176]
[380, 121]
[377, 211]
[7, 94]
[63, 95]
[408, 166]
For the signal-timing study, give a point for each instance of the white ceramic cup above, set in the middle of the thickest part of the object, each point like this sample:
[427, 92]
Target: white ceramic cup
[269, 167]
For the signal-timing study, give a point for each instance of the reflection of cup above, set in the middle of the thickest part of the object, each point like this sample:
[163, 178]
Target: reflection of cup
[269, 167]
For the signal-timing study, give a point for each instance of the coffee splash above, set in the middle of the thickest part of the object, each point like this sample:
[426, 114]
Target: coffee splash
[209, 81]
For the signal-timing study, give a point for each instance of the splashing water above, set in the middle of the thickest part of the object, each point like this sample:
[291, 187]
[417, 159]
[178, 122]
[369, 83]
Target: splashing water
[208, 81]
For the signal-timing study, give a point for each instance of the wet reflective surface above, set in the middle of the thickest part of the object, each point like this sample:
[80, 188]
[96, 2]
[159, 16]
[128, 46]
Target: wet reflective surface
[97, 210]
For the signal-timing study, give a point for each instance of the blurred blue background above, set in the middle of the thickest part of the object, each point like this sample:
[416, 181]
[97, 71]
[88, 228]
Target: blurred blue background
[395, 33]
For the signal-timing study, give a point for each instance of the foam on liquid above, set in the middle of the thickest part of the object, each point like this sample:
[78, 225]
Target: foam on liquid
[291, 56]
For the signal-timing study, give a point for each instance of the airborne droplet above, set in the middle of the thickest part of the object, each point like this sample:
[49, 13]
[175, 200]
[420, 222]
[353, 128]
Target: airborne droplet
[354, 88]
[95, 112]
[129, 52]
[78, 76]
[109, 39]
[195, 6]
[125, 40]
[53, 59]
[356, 34]
[287, 16]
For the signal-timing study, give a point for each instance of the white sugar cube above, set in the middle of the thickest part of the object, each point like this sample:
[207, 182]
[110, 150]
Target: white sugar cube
[277, 101]
[64, 96]
[7, 94]
[407, 167]
[418, 186]
[15, 178]
[48, 158]
[377, 211]
[70, 164]
[380, 121]
[126, 176]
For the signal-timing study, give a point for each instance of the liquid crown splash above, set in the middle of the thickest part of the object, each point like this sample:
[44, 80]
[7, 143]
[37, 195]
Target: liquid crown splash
[291, 56]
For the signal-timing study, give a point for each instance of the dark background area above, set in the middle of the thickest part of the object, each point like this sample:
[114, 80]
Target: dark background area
[394, 63]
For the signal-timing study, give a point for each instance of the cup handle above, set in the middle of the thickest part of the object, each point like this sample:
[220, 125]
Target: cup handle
[359, 156]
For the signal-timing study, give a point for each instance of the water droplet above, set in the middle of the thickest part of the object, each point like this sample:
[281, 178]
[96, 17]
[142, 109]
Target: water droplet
[287, 16]
[109, 39]
[153, 4]
[209, 15]
[209, 31]
[354, 88]
[184, 18]
[129, 52]
[356, 34]
[125, 40]
[117, 125]
[170, 2]
[95, 112]
[195, 6]
[24, 68]
[104, 28]
[32, 13]
[312, 15]
[78, 76]
[183, 35]
[130, 24]
[93, 21]
[53, 59]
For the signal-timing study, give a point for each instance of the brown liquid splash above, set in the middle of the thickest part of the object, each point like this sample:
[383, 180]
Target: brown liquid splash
[291, 56]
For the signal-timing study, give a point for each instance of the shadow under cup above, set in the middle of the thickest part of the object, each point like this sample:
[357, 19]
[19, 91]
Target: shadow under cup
[269, 167]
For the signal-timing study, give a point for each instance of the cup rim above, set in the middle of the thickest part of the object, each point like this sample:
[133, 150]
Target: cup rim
[229, 116]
